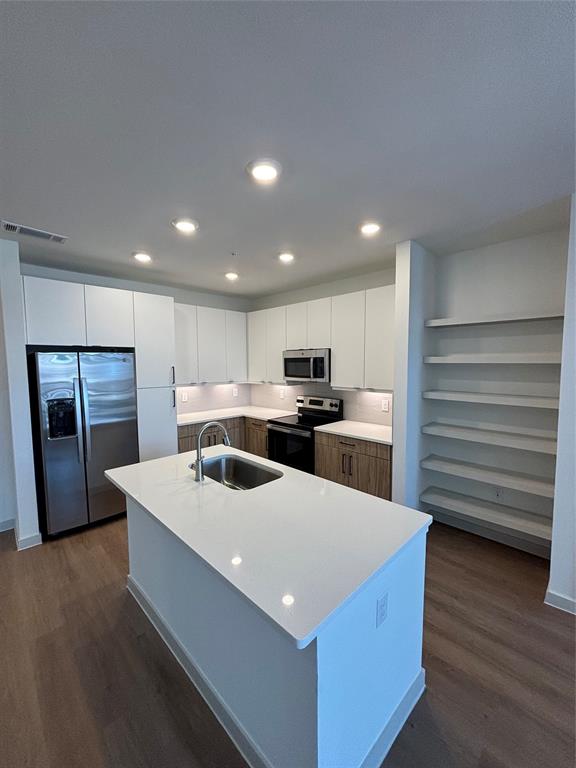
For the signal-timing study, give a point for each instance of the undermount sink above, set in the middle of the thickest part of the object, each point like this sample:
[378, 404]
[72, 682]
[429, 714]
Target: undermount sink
[237, 473]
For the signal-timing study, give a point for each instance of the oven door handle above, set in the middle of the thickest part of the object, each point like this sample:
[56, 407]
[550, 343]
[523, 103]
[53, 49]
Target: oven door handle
[297, 432]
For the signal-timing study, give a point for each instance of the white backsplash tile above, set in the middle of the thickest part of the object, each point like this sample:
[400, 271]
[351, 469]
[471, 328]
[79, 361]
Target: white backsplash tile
[207, 397]
[359, 405]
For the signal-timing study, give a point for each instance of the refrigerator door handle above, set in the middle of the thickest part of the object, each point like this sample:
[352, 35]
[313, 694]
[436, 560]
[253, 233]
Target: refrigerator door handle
[78, 413]
[87, 427]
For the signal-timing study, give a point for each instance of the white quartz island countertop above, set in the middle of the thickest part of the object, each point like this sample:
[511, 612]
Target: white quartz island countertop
[363, 430]
[300, 535]
[254, 411]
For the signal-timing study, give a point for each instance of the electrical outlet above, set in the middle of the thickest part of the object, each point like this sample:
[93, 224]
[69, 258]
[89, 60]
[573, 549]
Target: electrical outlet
[381, 609]
[385, 404]
[234, 391]
[282, 393]
[184, 397]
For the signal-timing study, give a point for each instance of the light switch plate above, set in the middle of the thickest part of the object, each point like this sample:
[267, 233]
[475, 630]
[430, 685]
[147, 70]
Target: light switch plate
[385, 404]
[234, 391]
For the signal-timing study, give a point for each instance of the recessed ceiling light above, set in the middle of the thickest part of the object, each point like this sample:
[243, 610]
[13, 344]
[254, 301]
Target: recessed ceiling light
[286, 258]
[231, 276]
[142, 257]
[236, 560]
[370, 228]
[264, 171]
[288, 600]
[185, 226]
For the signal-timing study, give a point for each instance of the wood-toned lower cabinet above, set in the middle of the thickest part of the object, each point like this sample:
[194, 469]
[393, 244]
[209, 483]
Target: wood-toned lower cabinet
[359, 464]
[188, 435]
[256, 437]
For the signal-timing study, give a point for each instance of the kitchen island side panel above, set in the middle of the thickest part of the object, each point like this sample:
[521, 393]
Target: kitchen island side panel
[264, 684]
[370, 664]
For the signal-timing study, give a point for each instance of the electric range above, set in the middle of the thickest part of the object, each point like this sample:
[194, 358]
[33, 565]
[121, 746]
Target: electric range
[291, 438]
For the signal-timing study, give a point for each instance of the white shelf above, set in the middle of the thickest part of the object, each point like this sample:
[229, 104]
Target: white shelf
[521, 401]
[526, 441]
[444, 322]
[498, 358]
[495, 516]
[539, 486]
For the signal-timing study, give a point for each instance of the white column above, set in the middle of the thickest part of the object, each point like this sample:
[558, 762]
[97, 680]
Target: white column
[17, 467]
[561, 591]
[414, 301]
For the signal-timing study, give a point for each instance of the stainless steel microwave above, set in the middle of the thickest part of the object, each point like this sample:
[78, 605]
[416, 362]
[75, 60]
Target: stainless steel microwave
[307, 365]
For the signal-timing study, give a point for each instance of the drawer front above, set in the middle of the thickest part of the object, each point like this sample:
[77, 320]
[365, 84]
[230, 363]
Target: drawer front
[353, 445]
[258, 424]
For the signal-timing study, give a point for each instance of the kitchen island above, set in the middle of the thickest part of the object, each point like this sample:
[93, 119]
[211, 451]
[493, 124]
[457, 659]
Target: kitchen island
[296, 607]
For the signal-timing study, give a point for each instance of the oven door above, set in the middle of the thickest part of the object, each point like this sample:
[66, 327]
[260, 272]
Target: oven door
[292, 447]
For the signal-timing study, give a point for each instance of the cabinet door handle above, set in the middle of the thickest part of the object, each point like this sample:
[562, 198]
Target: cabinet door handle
[350, 465]
[343, 442]
[343, 467]
[172, 375]
[173, 398]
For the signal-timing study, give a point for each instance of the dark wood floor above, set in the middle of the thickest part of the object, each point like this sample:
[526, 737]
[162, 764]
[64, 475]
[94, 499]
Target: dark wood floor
[86, 683]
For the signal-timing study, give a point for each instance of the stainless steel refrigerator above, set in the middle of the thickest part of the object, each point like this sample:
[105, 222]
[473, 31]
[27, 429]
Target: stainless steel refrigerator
[85, 413]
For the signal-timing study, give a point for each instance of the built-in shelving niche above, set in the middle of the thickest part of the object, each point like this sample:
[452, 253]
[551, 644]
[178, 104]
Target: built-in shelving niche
[489, 428]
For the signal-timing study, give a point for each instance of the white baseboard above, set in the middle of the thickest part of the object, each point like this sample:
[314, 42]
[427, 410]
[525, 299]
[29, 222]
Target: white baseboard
[29, 541]
[384, 742]
[6, 525]
[563, 602]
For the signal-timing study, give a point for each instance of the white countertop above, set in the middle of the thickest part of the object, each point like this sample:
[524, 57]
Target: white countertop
[255, 411]
[299, 535]
[363, 430]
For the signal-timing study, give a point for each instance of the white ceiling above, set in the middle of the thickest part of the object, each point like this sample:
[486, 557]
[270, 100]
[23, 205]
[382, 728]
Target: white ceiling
[438, 119]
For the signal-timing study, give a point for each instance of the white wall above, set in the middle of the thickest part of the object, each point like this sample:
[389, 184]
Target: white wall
[358, 405]
[562, 586]
[17, 465]
[323, 290]
[181, 295]
[7, 478]
[414, 302]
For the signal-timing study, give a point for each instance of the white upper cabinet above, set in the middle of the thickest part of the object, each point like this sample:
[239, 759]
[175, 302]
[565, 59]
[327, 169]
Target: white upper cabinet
[257, 345]
[236, 352]
[109, 317]
[212, 344]
[348, 323]
[157, 429]
[186, 336]
[275, 343]
[154, 337]
[319, 323]
[379, 345]
[297, 326]
[54, 312]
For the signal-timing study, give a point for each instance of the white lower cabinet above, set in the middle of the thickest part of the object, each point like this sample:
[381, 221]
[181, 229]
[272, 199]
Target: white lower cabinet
[379, 343]
[236, 352]
[348, 325]
[275, 344]
[157, 424]
[55, 312]
[186, 339]
[257, 345]
[109, 317]
[211, 345]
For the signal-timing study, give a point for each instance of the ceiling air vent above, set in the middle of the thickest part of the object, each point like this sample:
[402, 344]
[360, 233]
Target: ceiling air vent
[19, 229]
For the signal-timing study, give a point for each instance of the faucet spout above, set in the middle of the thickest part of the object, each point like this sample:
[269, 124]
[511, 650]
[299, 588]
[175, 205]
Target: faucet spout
[198, 467]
